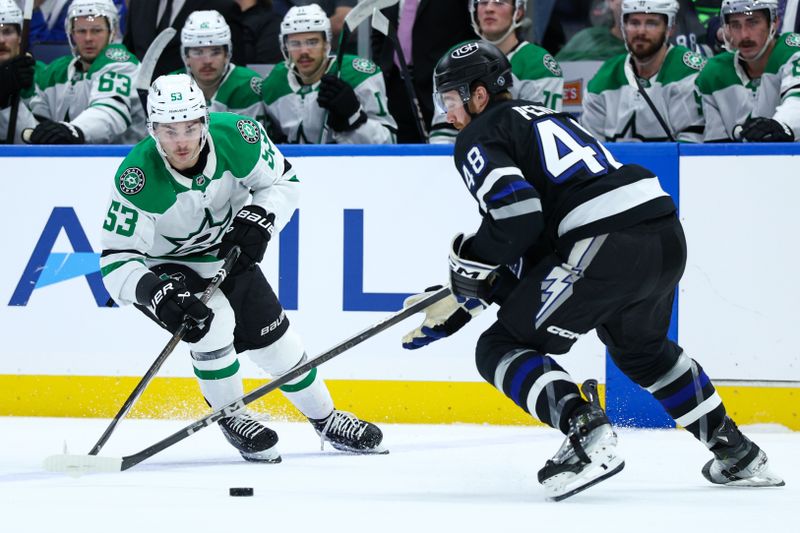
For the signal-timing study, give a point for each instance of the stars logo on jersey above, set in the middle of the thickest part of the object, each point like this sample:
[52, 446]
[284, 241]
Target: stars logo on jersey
[793, 39]
[694, 61]
[249, 131]
[364, 65]
[118, 54]
[131, 181]
[203, 237]
[255, 84]
[552, 65]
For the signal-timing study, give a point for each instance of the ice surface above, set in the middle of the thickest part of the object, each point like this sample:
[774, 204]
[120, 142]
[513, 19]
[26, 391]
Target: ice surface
[458, 478]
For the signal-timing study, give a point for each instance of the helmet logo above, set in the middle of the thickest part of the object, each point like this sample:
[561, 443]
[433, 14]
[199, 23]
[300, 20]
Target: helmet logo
[465, 50]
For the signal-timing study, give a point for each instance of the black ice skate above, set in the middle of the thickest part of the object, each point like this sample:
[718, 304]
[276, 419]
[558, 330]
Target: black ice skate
[255, 441]
[588, 455]
[738, 461]
[347, 433]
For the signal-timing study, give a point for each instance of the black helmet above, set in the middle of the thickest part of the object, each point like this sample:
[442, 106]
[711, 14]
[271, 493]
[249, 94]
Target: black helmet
[469, 62]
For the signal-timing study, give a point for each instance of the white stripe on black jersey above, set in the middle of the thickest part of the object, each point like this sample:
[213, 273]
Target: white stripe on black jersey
[536, 173]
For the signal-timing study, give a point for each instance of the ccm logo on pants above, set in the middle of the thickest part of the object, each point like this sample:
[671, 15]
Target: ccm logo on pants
[561, 332]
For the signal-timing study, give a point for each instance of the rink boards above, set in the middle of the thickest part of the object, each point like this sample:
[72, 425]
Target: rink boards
[374, 226]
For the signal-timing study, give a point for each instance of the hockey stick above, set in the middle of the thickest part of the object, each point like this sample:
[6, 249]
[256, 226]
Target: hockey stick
[382, 25]
[85, 464]
[148, 65]
[218, 278]
[354, 18]
[27, 13]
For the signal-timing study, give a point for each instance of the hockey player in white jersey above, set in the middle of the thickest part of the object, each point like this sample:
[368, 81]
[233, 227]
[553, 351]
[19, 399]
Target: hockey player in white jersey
[616, 106]
[17, 71]
[198, 186]
[537, 75]
[88, 97]
[750, 92]
[312, 100]
[206, 49]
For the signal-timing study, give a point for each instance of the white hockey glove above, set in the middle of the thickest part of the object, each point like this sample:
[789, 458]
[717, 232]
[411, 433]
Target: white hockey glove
[469, 278]
[442, 319]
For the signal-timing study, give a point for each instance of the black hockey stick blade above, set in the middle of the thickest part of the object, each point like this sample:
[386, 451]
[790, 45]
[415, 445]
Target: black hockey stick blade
[84, 464]
[216, 281]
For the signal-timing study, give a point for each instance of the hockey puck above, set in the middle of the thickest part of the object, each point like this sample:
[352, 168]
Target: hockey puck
[240, 491]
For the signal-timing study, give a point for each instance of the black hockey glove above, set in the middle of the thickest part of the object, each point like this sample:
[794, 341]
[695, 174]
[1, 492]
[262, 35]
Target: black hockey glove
[442, 319]
[469, 278]
[344, 109]
[766, 130]
[49, 132]
[251, 230]
[172, 302]
[16, 74]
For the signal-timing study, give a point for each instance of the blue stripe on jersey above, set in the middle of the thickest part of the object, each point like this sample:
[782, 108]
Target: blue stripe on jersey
[511, 188]
[525, 370]
[686, 393]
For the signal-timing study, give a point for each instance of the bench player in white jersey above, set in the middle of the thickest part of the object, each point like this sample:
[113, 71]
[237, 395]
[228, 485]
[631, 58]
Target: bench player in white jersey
[752, 92]
[206, 49]
[199, 185]
[537, 75]
[570, 241]
[614, 108]
[309, 90]
[88, 97]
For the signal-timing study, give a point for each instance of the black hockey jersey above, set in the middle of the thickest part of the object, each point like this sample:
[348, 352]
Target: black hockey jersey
[543, 181]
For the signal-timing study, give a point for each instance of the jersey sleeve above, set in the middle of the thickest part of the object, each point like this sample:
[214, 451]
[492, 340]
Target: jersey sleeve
[788, 111]
[684, 113]
[380, 127]
[547, 92]
[25, 119]
[109, 111]
[594, 114]
[510, 205]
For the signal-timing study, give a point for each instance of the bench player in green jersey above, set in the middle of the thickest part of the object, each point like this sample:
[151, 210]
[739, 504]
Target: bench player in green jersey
[312, 100]
[17, 70]
[199, 185]
[751, 92]
[615, 109]
[87, 97]
[537, 75]
[206, 50]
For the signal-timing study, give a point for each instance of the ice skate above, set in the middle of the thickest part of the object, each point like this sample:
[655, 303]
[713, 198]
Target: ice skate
[738, 461]
[255, 441]
[347, 433]
[588, 455]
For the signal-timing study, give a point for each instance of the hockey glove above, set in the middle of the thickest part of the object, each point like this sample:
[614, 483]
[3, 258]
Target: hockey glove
[16, 74]
[339, 98]
[469, 278]
[763, 130]
[172, 302]
[442, 319]
[250, 230]
[49, 132]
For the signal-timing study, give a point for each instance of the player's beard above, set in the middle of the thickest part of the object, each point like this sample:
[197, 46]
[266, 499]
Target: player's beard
[645, 53]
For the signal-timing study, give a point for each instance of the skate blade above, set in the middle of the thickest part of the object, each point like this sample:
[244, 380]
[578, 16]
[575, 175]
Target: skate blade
[270, 456]
[764, 479]
[378, 450]
[78, 465]
[562, 486]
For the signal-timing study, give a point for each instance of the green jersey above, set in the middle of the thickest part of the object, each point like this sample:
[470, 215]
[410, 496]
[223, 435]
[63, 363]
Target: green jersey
[239, 92]
[101, 101]
[294, 108]
[729, 96]
[158, 215]
[25, 118]
[614, 109]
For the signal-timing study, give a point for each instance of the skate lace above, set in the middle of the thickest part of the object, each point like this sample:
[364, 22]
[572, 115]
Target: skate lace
[342, 424]
[245, 425]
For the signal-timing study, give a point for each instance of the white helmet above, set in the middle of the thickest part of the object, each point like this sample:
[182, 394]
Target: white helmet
[10, 13]
[301, 19]
[175, 98]
[205, 28]
[93, 8]
[516, 20]
[669, 8]
[732, 7]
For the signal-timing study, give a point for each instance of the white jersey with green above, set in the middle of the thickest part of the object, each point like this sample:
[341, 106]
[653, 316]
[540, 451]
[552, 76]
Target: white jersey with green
[239, 92]
[536, 77]
[614, 109]
[101, 101]
[25, 118]
[157, 215]
[293, 106]
[730, 97]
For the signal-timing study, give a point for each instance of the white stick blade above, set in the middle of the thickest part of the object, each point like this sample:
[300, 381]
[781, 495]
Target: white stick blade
[77, 465]
[380, 22]
[363, 9]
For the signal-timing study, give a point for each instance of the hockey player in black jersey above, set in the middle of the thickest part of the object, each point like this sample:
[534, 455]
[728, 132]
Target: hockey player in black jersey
[571, 240]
